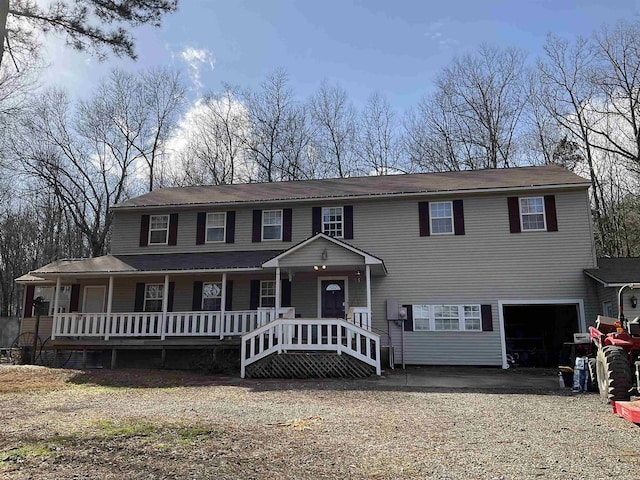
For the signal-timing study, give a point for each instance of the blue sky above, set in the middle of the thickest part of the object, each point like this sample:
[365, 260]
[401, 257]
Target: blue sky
[395, 47]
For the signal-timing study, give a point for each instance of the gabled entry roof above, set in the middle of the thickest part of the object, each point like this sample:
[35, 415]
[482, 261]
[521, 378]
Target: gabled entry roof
[322, 241]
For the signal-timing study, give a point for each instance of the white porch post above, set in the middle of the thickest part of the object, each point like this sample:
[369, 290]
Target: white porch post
[165, 306]
[56, 304]
[368, 275]
[223, 304]
[107, 322]
[278, 293]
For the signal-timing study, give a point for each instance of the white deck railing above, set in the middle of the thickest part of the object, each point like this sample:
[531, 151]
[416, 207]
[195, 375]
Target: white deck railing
[360, 316]
[332, 335]
[156, 324]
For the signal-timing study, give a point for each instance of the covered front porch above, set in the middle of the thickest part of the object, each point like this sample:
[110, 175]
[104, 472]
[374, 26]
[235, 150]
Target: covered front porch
[117, 300]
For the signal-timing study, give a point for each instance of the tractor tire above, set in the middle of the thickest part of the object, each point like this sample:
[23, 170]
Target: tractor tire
[613, 374]
[592, 375]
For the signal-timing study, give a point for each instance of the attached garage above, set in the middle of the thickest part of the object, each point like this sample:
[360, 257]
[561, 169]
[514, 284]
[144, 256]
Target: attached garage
[534, 333]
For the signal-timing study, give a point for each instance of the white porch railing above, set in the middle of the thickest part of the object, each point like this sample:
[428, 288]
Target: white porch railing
[360, 316]
[156, 324]
[333, 335]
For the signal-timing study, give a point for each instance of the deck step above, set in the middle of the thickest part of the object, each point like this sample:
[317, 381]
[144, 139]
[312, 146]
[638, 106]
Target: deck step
[309, 365]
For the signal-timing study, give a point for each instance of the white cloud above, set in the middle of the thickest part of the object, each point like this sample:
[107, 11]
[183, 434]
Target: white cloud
[434, 33]
[196, 59]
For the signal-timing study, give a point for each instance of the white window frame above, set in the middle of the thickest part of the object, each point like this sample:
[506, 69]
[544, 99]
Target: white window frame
[431, 317]
[464, 317]
[262, 282]
[207, 228]
[431, 218]
[341, 222]
[271, 225]
[206, 297]
[146, 291]
[428, 317]
[166, 230]
[544, 215]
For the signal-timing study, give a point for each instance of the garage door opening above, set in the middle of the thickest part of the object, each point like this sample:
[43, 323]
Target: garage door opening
[534, 334]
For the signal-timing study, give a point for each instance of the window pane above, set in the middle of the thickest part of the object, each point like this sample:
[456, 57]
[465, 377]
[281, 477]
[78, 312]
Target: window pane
[533, 222]
[446, 317]
[271, 217]
[472, 318]
[216, 219]
[421, 317]
[211, 290]
[158, 221]
[271, 232]
[211, 304]
[158, 236]
[332, 221]
[441, 217]
[267, 293]
[215, 234]
[153, 306]
[442, 225]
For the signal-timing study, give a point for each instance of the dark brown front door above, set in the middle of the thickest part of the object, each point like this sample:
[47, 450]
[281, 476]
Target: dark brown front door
[332, 298]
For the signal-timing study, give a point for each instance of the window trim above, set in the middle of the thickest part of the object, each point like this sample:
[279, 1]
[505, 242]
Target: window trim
[431, 218]
[144, 303]
[462, 327]
[322, 222]
[202, 297]
[544, 215]
[260, 296]
[224, 228]
[166, 241]
[263, 225]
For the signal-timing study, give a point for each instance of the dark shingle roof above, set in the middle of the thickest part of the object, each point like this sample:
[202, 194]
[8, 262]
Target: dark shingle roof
[476, 180]
[158, 262]
[617, 270]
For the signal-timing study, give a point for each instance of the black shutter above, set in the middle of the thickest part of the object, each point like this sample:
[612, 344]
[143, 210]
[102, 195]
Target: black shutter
[173, 229]
[316, 220]
[230, 234]
[550, 212]
[28, 301]
[348, 222]
[487, 318]
[74, 301]
[256, 235]
[458, 217]
[254, 295]
[408, 323]
[144, 230]
[287, 215]
[139, 302]
[285, 301]
[514, 214]
[172, 290]
[423, 218]
[228, 306]
[201, 228]
[196, 302]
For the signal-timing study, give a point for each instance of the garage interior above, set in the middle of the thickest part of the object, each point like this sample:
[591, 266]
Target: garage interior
[535, 333]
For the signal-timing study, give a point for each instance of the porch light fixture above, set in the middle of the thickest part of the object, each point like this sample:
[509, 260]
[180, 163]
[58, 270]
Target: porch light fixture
[358, 276]
[324, 267]
[316, 267]
[634, 302]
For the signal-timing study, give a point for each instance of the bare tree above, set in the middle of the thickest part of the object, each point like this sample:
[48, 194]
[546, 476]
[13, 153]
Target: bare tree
[277, 131]
[378, 137]
[94, 25]
[85, 157]
[334, 121]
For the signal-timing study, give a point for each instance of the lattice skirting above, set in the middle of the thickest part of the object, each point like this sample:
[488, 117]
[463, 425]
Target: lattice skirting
[309, 365]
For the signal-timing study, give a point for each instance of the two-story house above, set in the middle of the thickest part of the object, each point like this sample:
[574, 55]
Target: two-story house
[456, 268]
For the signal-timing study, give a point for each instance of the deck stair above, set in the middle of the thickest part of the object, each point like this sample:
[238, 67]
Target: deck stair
[297, 348]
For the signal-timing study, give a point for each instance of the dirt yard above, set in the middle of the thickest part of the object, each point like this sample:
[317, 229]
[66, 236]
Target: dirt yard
[124, 424]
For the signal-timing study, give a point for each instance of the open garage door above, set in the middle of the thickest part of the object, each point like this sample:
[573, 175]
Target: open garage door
[534, 334]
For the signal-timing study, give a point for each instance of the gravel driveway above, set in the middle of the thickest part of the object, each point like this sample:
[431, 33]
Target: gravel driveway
[65, 424]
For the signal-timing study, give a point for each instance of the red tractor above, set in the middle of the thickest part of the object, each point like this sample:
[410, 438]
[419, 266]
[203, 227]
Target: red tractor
[617, 360]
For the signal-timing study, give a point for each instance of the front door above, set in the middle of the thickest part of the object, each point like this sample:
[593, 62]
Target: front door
[332, 298]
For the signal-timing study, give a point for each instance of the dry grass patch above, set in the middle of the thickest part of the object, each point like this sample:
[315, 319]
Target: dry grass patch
[28, 378]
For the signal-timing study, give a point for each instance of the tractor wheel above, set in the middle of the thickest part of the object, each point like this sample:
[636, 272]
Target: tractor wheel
[592, 375]
[613, 373]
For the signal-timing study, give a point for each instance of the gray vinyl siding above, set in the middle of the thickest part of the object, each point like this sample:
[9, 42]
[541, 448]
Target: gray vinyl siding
[484, 266]
[312, 254]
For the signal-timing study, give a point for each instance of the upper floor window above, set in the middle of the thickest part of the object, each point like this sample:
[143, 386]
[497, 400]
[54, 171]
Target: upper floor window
[441, 216]
[532, 215]
[333, 221]
[211, 296]
[267, 293]
[153, 293]
[216, 225]
[158, 229]
[272, 225]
